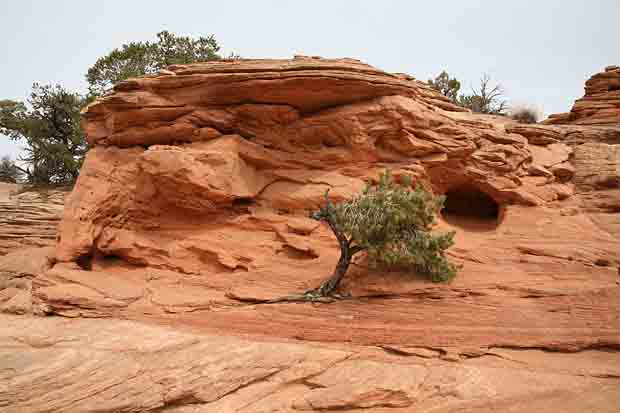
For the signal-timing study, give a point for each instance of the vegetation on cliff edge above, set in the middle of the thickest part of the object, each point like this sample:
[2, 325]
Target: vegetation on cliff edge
[48, 123]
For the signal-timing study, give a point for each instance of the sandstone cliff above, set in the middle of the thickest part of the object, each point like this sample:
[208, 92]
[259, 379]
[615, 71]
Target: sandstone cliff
[191, 212]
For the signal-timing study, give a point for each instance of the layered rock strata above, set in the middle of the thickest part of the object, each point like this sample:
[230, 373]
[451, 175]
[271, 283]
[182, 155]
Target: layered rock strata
[196, 194]
[600, 104]
[596, 147]
[191, 214]
[197, 140]
[69, 365]
[28, 219]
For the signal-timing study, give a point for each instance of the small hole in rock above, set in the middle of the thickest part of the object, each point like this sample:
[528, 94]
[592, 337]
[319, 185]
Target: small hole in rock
[602, 262]
[242, 202]
[85, 262]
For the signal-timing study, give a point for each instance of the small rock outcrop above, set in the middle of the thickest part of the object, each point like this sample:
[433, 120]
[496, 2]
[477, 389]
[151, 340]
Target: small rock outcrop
[596, 147]
[600, 104]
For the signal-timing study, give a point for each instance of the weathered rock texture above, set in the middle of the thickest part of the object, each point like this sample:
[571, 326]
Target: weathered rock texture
[599, 106]
[191, 211]
[597, 147]
[197, 145]
[28, 219]
[64, 365]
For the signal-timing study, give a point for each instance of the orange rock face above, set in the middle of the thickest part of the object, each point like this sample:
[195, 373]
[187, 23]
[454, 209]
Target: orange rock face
[28, 219]
[205, 175]
[213, 143]
[191, 212]
[599, 106]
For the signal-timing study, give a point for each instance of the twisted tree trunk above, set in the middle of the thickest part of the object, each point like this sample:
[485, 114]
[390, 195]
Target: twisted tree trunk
[332, 283]
[346, 255]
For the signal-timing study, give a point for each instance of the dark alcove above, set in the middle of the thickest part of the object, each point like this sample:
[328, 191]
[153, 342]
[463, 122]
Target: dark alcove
[469, 207]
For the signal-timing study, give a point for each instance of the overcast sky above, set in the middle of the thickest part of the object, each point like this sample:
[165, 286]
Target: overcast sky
[541, 51]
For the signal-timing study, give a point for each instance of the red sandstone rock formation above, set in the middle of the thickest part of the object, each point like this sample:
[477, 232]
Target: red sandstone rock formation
[599, 106]
[596, 153]
[181, 148]
[65, 365]
[28, 219]
[191, 212]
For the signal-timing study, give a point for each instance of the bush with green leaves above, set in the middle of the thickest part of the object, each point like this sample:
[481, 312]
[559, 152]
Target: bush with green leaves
[49, 122]
[141, 58]
[447, 86]
[486, 98]
[393, 224]
[49, 125]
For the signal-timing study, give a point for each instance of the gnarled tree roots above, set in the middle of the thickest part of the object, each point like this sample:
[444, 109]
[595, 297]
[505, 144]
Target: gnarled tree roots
[322, 294]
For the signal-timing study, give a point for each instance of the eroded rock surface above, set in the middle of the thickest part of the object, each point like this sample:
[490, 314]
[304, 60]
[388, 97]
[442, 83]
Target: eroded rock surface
[191, 214]
[600, 104]
[28, 219]
[214, 143]
[65, 365]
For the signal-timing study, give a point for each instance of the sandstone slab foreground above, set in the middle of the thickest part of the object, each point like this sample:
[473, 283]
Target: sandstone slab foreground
[67, 365]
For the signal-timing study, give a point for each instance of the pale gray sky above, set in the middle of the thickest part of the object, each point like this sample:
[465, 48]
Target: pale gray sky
[541, 51]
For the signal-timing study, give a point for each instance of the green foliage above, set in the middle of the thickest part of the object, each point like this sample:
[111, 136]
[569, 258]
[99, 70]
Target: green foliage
[393, 224]
[50, 127]
[9, 172]
[140, 58]
[447, 86]
[49, 123]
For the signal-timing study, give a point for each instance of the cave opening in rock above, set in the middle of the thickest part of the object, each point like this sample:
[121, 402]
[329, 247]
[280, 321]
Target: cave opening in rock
[469, 207]
[85, 262]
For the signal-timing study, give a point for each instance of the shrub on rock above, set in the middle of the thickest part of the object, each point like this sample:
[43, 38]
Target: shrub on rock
[392, 223]
[525, 114]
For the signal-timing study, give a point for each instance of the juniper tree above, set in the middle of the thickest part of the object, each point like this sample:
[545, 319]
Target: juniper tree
[392, 223]
[446, 85]
[49, 126]
[140, 58]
